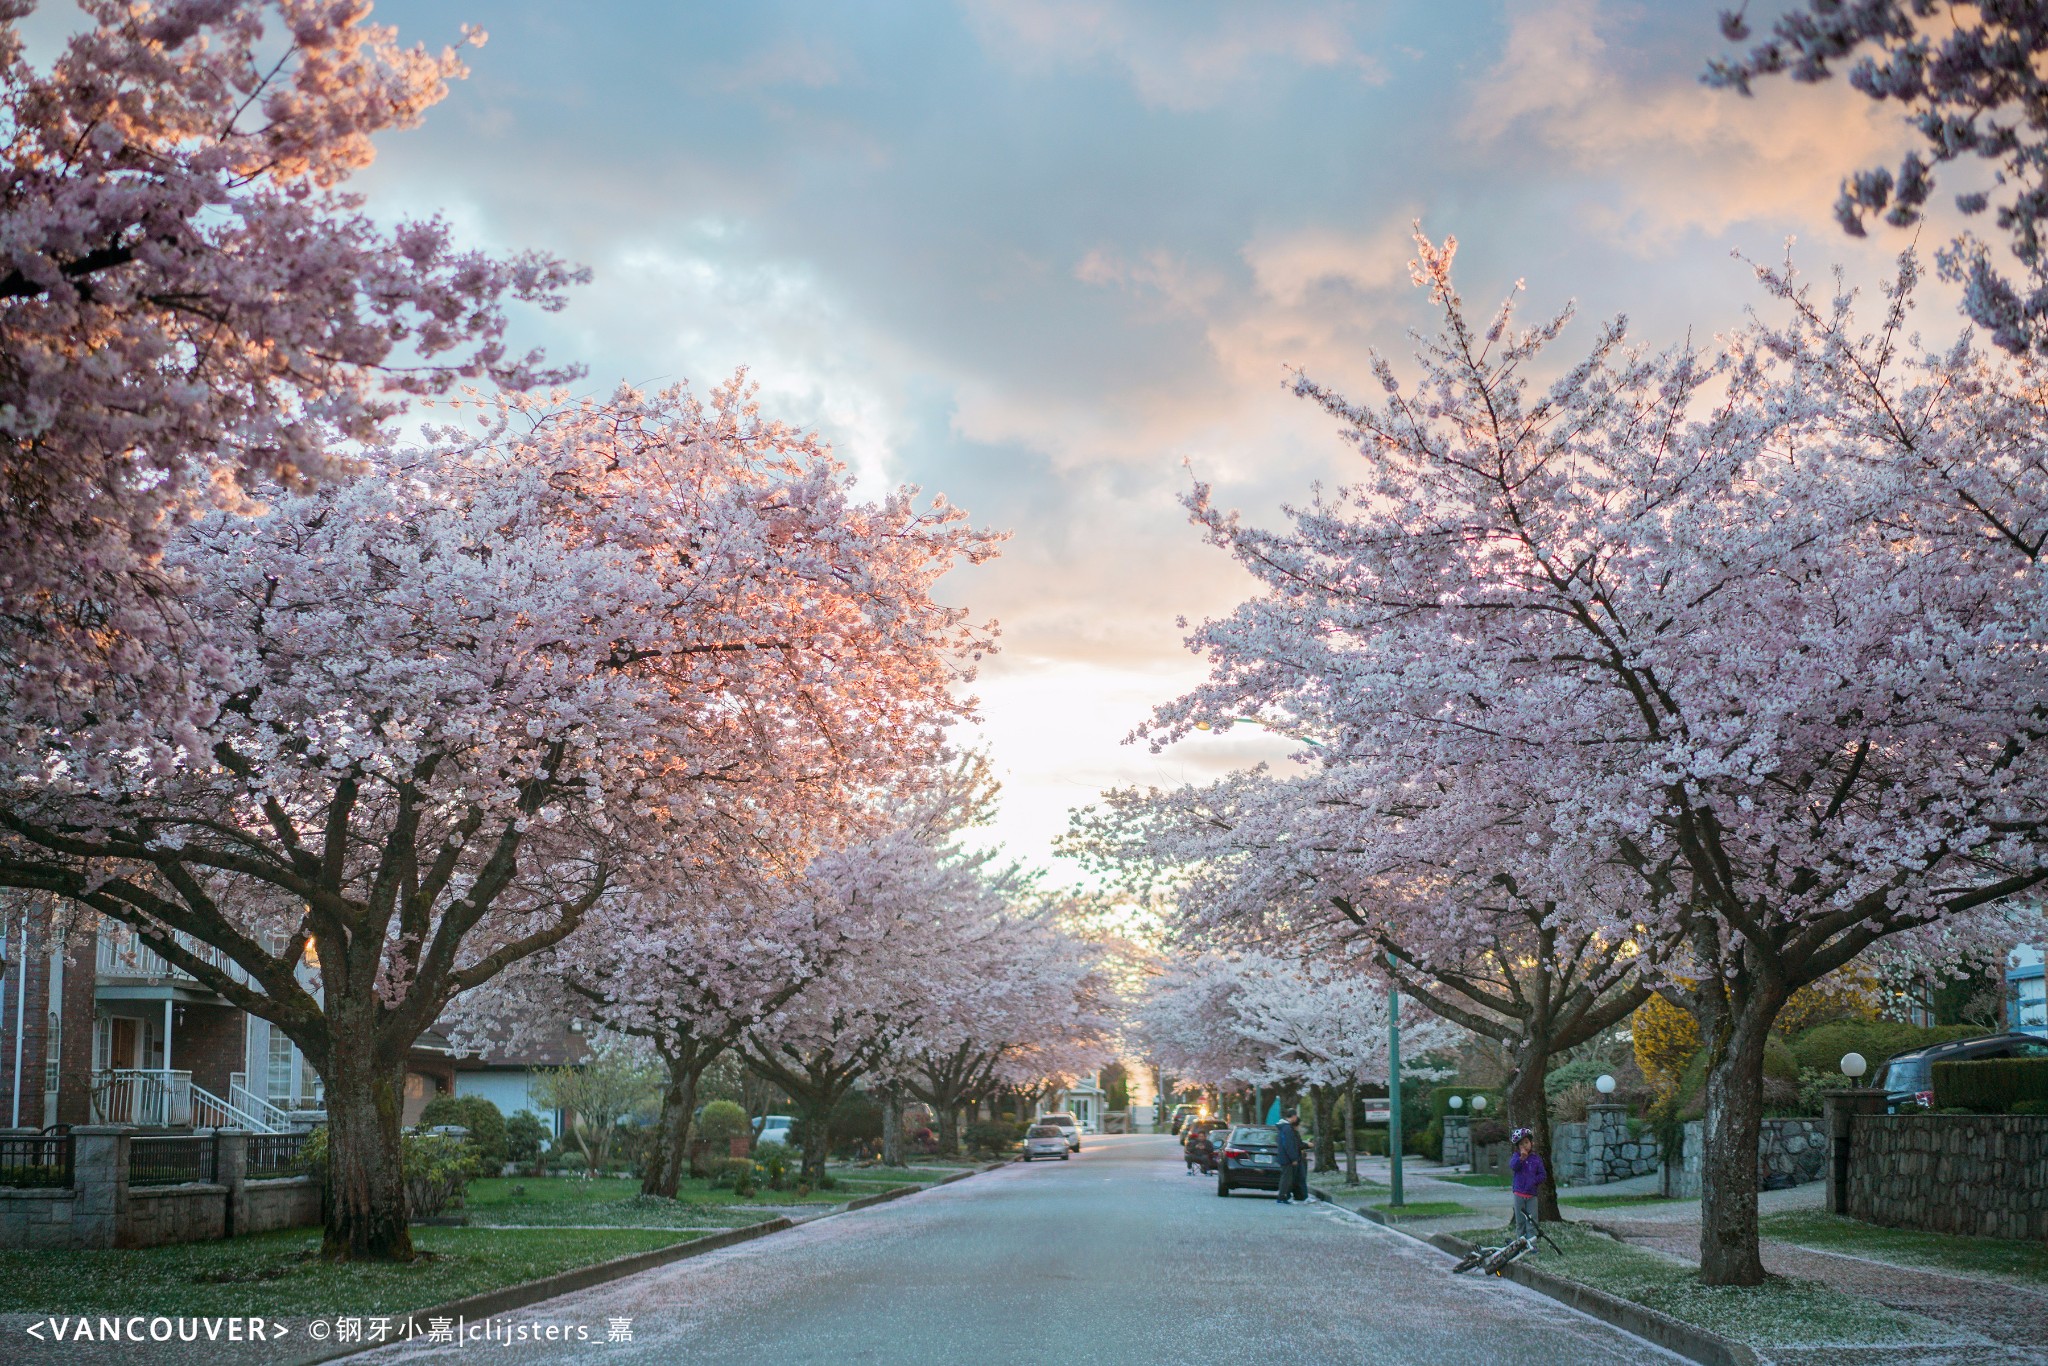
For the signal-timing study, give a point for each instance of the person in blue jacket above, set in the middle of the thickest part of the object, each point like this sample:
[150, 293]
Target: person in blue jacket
[1293, 1170]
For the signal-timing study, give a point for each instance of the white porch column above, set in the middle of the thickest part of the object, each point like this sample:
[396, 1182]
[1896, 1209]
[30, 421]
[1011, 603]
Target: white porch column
[167, 1039]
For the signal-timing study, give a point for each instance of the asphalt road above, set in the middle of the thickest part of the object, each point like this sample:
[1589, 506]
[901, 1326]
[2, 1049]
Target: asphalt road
[1113, 1257]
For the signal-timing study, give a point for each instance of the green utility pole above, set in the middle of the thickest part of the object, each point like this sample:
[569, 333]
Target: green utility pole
[1394, 1089]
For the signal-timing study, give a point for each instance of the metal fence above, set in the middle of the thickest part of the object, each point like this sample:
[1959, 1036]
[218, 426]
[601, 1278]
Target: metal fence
[172, 1161]
[40, 1160]
[275, 1154]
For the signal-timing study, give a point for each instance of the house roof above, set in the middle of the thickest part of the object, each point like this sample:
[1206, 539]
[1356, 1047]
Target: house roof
[552, 1045]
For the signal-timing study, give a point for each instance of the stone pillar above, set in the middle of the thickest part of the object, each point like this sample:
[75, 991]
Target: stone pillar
[99, 1164]
[1606, 1131]
[1457, 1140]
[1838, 1116]
[231, 1169]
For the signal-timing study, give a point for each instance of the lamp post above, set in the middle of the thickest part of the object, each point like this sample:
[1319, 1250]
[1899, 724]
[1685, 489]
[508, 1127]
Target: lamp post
[1605, 1084]
[1396, 1201]
[1853, 1067]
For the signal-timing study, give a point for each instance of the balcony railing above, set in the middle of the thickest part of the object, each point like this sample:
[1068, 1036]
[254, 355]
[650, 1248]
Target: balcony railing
[152, 1097]
[123, 954]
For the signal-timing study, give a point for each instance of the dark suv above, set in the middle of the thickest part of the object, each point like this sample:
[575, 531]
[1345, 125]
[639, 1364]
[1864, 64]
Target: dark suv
[1250, 1158]
[1909, 1077]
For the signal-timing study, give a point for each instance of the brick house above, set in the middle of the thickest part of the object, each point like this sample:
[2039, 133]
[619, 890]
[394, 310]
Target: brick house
[97, 1028]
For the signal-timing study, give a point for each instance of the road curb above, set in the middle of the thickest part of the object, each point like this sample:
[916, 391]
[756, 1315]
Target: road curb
[1692, 1343]
[508, 1298]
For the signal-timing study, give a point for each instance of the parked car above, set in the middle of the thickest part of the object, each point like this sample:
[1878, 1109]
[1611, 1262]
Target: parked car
[1067, 1124]
[1250, 1159]
[1909, 1077]
[773, 1129]
[1046, 1140]
[1181, 1115]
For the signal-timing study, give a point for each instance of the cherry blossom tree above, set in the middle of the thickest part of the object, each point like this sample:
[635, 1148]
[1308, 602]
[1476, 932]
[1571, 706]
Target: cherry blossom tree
[1746, 659]
[443, 712]
[1969, 77]
[192, 304]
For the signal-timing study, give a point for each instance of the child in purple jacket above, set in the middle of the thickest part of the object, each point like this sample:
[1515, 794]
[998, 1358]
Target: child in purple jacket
[1530, 1174]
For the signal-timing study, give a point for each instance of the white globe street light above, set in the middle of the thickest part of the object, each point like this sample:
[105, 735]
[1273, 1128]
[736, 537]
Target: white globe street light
[1605, 1084]
[1479, 1102]
[1457, 1102]
[1853, 1065]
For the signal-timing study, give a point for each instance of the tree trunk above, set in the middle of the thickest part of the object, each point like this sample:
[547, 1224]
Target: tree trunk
[892, 1127]
[1529, 1108]
[365, 1195]
[817, 1115]
[663, 1172]
[949, 1130]
[1326, 1128]
[1729, 1254]
[1351, 1135]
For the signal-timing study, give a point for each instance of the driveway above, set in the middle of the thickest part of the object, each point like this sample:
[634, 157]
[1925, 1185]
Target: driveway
[1115, 1256]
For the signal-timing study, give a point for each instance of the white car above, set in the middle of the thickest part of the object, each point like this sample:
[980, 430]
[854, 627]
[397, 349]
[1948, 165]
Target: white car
[774, 1129]
[1046, 1140]
[1067, 1124]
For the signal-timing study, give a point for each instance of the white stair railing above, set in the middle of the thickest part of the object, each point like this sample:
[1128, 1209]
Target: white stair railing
[262, 1115]
[211, 1112]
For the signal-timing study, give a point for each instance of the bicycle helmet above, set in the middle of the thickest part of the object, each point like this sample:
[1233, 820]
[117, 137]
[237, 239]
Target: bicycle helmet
[1515, 1138]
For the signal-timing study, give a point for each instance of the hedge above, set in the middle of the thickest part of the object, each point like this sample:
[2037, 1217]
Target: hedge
[1992, 1085]
[1821, 1048]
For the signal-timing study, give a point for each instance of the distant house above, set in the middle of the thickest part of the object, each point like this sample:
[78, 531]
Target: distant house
[504, 1073]
[1084, 1100]
[2027, 989]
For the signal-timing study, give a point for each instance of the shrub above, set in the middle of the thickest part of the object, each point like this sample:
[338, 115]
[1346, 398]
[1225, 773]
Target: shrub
[771, 1161]
[1990, 1085]
[1821, 1048]
[437, 1168]
[483, 1119]
[857, 1118]
[1813, 1086]
[2030, 1107]
[525, 1137]
[1667, 1039]
[1780, 1061]
[1430, 1142]
[734, 1173]
[721, 1121]
[998, 1136]
[1489, 1131]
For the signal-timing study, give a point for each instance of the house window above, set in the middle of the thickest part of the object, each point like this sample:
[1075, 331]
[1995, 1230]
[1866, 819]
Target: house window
[277, 1077]
[102, 1043]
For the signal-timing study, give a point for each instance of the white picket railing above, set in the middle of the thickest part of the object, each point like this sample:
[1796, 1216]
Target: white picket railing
[121, 953]
[156, 1097]
[262, 1115]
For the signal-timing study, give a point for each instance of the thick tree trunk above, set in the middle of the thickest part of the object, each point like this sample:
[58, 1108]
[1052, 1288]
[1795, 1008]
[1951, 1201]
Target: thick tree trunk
[365, 1195]
[1350, 1135]
[892, 1127]
[817, 1116]
[949, 1130]
[1729, 1254]
[1529, 1108]
[1326, 1129]
[663, 1173]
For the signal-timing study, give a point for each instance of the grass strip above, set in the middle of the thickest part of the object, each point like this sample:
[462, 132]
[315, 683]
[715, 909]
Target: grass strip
[1614, 1201]
[1422, 1209]
[1783, 1312]
[1478, 1180]
[279, 1274]
[2010, 1259]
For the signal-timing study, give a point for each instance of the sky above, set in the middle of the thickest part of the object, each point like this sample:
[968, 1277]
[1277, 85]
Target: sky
[1054, 258]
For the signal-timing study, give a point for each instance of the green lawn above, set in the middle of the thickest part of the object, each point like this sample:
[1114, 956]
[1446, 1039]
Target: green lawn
[1479, 1180]
[616, 1202]
[1423, 1209]
[1612, 1201]
[1780, 1313]
[280, 1274]
[2003, 1258]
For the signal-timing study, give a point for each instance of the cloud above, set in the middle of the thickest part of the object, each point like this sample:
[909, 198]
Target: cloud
[1178, 56]
[1659, 153]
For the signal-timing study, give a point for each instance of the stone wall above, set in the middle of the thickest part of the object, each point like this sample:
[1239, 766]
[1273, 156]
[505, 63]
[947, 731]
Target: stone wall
[1794, 1150]
[102, 1210]
[1982, 1175]
[1457, 1140]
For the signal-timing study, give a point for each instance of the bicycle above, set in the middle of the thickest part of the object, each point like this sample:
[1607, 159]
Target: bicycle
[1494, 1261]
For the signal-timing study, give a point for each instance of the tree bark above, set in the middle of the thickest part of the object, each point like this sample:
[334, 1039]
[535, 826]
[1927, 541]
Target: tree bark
[1729, 1253]
[817, 1115]
[949, 1130]
[364, 1199]
[663, 1173]
[892, 1126]
[1529, 1108]
[1326, 1128]
[1350, 1135]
